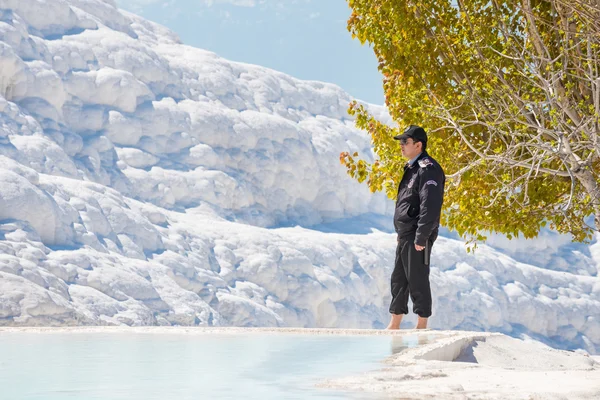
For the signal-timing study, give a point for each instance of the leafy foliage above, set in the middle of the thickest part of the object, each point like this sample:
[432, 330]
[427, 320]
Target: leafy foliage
[509, 92]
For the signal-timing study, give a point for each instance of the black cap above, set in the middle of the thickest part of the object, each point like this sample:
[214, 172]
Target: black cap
[416, 133]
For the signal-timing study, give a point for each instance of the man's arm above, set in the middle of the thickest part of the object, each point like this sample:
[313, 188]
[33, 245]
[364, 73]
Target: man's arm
[431, 194]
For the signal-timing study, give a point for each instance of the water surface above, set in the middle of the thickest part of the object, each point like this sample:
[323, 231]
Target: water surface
[142, 366]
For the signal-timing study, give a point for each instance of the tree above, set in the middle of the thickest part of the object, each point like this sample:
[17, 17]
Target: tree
[509, 92]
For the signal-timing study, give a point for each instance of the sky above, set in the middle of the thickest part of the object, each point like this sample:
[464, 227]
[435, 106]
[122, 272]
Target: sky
[307, 39]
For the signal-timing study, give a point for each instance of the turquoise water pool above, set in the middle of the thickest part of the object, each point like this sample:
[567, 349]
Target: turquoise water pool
[141, 366]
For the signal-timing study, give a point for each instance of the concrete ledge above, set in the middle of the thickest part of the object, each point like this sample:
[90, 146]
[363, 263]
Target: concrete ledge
[229, 330]
[443, 348]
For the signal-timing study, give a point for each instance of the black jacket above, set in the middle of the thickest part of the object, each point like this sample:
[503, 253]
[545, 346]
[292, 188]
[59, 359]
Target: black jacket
[419, 200]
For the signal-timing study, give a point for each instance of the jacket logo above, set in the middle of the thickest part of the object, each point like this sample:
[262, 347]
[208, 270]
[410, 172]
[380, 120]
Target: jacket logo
[425, 162]
[431, 183]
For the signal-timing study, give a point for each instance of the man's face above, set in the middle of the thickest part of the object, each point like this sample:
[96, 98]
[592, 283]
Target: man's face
[410, 149]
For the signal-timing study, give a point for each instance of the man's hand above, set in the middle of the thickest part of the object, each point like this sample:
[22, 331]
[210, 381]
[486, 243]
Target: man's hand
[419, 248]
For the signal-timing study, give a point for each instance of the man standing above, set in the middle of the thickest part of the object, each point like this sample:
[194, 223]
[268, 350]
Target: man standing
[416, 219]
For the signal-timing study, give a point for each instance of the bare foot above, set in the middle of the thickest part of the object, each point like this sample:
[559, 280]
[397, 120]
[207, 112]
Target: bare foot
[421, 323]
[395, 321]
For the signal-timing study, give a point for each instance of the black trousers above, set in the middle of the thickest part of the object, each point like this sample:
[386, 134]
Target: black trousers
[410, 277]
